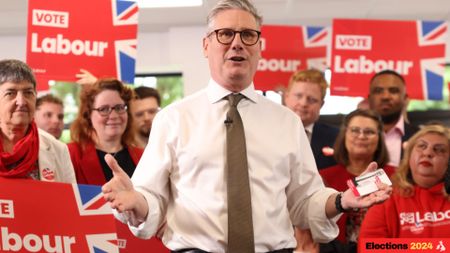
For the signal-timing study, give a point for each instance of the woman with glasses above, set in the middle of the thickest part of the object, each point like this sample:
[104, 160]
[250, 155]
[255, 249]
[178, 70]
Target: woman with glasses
[103, 126]
[359, 142]
[419, 206]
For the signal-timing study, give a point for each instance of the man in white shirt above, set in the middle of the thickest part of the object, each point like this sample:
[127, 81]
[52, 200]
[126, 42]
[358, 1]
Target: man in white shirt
[388, 97]
[181, 178]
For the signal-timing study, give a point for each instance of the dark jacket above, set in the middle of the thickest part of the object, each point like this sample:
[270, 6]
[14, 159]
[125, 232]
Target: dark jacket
[323, 135]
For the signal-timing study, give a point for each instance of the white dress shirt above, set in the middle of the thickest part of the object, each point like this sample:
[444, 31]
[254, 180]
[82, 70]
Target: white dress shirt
[309, 131]
[182, 174]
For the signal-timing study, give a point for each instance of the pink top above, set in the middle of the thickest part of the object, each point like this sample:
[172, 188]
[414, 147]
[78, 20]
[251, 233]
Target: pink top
[393, 140]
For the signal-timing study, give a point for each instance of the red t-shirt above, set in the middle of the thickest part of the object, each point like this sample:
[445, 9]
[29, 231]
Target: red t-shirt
[425, 214]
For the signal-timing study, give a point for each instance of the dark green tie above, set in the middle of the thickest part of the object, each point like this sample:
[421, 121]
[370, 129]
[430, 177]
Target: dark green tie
[240, 225]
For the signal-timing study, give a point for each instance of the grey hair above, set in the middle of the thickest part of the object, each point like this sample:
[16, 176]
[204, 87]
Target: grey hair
[224, 5]
[16, 71]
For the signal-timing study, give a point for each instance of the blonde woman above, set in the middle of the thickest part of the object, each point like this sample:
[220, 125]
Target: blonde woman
[419, 196]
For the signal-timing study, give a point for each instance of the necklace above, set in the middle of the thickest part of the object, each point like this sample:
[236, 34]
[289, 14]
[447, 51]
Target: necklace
[108, 147]
[114, 154]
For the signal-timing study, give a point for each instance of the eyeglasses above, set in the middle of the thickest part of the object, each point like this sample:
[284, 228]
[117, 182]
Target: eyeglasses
[106, 110]
[357, 131]
[226, 36]
[438, 149]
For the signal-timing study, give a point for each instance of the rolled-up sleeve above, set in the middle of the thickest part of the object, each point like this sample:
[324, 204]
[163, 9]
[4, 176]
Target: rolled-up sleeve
[322, 228]
[307, 195]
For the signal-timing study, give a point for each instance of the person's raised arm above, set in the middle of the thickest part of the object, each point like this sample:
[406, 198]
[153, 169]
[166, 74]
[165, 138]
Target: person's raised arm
[85, 77]
[349, 201]
[122, 196]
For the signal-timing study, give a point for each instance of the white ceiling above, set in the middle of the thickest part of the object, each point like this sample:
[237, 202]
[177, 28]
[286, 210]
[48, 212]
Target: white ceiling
[13, 13]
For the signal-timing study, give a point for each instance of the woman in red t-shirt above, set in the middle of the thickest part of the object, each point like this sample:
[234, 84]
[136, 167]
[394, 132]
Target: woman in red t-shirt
[419, 206]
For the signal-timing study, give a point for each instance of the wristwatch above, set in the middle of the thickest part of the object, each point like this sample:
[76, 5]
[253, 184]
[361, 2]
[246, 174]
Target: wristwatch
[338, 204]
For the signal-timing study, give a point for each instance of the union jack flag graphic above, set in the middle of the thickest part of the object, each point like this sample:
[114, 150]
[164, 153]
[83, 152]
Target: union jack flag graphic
[74, 217]
[432, 33]
[90, 201]
[317, 63]
[125, 51]
[124, 12]
[432, 75]
[102, 243]
[316, 36]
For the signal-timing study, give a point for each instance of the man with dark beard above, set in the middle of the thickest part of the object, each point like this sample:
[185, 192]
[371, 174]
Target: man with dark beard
[144, 107]
[388, 97]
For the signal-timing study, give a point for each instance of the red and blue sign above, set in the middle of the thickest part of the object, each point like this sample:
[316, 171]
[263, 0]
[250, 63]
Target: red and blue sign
[54, 217]
[40, 216]
[415, 49]
[66, 36]
[287, 49]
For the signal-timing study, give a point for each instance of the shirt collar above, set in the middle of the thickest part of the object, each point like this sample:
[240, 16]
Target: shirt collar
[400, 126]
[310, 127]
[216, 92]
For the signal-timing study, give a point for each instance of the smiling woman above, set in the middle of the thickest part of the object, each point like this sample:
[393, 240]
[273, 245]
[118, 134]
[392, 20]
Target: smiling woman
[103, 126]
[359, 142]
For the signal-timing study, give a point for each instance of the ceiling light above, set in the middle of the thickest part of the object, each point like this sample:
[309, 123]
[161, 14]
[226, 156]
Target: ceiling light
[168, 3]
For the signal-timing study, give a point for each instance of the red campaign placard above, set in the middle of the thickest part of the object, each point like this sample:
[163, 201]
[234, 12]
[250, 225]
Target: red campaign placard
[54, 217]
[404, 245]
[69, 218]
[64, 36]
[415, 49]
[286, 49]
